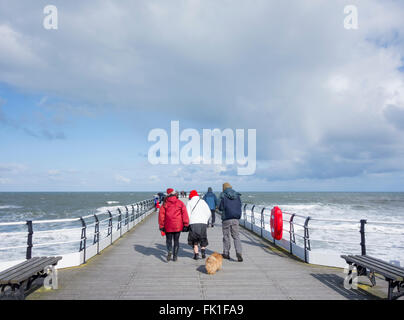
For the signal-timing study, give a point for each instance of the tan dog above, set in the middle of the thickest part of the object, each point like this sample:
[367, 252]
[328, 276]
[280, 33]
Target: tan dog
[214, 263]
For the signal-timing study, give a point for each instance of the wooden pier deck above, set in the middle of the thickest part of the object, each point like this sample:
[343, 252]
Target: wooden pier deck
[135, 267]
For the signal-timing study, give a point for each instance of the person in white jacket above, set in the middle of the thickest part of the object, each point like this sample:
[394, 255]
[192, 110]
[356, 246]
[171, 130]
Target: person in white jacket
[199, 214]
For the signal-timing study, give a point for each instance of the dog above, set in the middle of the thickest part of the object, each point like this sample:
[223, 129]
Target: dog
[214, 263]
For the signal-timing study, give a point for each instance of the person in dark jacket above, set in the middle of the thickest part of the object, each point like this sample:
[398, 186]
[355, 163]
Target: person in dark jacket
[211, 199]
[173, 218]
[230, 206]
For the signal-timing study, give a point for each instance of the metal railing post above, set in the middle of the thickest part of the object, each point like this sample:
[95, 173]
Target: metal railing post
[110, 225]
[29, 240]
[363, 237]
[252, 218]
[306, 238]
[245, 213]
[127, 217]
[133, 213]
[262, 221]
[83, 242]
[120, 221]
[292, 238]
[97, 233]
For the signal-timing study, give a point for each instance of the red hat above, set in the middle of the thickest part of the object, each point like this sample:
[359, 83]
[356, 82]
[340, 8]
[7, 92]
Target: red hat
[193, 193]
[169, 190]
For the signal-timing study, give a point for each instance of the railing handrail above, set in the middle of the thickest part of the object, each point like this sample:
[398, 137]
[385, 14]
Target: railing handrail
[14, 223]
[328, 219]
[142, 207]
[306, 228]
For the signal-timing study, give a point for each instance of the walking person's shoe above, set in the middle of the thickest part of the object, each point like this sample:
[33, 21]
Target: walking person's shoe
[203, 253]
[175, 254]
[168, 256]
[226, 256]
[196, 256]
[239, 257]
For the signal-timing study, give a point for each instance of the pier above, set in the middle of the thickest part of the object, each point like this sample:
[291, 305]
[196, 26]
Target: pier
[135, 267]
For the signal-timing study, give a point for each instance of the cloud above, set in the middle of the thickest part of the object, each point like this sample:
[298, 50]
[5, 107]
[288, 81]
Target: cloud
[5, 181]
[120, 178]
[54, 172]
[15, 49]
[42, 133]
[13, 168]
[395, 115]
[326, 102]
[45, 134]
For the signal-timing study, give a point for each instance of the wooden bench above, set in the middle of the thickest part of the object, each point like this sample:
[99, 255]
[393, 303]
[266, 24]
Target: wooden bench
[369, 266]
[21, 276]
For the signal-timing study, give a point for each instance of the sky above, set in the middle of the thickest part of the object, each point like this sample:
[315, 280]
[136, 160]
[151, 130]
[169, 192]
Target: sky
[77, 103]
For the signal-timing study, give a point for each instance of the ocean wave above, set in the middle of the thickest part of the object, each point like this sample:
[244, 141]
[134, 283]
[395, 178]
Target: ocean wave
[112, 202]
[10, 207]
[106, 208]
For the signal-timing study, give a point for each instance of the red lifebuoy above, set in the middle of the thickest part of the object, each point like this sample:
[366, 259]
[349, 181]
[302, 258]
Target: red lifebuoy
[276, 223]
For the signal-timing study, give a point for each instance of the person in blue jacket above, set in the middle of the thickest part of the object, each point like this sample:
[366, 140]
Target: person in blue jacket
[212, 202]
[230, 206]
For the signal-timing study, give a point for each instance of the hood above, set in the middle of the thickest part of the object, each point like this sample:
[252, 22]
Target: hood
[171, 199]
[231, 194]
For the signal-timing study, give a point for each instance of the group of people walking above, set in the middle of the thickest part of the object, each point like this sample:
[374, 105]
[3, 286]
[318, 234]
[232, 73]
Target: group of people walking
[175, 217]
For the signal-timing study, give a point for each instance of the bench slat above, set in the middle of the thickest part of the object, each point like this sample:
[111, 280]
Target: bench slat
[27, 265]
[26, 269]
[384, 270]
[22, 277]
[392, 266]
[20, 267]
[5, 273]
[376, 266]
[382, 266]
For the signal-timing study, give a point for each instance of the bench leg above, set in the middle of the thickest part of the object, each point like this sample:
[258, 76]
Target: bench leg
[51, 280]
[17, 291]
[8, 294]
[394, 295]
[372, 278]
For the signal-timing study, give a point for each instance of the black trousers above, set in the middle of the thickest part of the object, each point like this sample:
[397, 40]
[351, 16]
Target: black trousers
[213, 216]
[170, 236]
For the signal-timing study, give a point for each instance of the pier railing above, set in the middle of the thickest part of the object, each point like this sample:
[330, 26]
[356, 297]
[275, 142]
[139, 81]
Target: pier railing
[94, 233]
[329, 235]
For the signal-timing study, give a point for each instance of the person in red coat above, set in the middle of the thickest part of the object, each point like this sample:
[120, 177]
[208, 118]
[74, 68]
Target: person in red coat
[173, 218]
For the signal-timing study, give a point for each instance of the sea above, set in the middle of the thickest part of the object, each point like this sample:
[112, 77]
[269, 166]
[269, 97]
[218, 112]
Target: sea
[384, 213]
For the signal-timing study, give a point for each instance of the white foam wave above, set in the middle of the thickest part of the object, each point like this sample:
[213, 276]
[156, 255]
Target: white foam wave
[106, 208]
[10, 207]
[112, 202]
